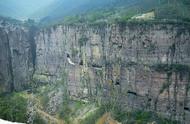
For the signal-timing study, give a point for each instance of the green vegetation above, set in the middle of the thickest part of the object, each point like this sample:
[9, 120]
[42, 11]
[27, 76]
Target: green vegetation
[93, 117]
[38, 120]
[41, 93]
[83, 40]
[65, 112]
[13, 107]
[30, 22]
[114, 11]
[129, 117]
[75, 51]
[169, 69]
[142, 117]
[68, 110]
[7, 20]
[40, 78]
[123, 10]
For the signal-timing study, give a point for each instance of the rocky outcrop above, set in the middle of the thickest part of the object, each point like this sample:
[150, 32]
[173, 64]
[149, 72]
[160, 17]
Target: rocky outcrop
[140, 65]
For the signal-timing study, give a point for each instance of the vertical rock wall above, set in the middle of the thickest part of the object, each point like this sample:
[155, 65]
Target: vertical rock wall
[16, 58]
[6, 81]
[138, 65]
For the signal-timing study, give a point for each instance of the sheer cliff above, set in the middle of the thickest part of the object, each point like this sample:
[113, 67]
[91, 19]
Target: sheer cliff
[16, 60]
[141, 65]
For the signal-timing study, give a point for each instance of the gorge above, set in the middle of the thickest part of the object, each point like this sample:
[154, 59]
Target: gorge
[137, 65]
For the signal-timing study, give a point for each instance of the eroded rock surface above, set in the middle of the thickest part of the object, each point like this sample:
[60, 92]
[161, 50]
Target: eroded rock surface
[141, 65]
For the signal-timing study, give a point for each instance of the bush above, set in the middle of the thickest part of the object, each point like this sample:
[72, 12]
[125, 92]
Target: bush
[13, 107]
[65, 112]
[38, 120]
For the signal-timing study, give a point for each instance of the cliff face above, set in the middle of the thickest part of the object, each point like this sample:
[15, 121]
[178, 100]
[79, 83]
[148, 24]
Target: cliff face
[143, 65]
[139, 65]
[16, 59]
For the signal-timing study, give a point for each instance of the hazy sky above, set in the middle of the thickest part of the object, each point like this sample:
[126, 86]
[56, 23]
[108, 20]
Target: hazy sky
[22, 8]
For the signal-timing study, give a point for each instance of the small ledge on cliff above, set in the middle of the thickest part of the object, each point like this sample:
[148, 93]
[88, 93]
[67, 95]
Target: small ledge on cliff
[96, 66]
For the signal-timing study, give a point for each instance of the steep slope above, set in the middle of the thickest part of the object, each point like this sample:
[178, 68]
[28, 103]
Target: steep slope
[138, 65]
[89, 10]
[109, 10]
[141, 65]
[16, 56]
[60, 8]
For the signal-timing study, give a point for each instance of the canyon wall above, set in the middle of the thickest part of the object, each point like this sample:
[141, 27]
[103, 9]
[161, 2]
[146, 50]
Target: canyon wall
[139, 65]
[16, 57]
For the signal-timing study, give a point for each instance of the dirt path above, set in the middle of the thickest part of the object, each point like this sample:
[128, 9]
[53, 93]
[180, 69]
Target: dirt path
[107, 119]
[49, 117]
[43, 114]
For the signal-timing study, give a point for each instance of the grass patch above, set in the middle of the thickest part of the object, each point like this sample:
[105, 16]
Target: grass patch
[129, 117]
[38, 120]
[142, 117]
[93, 117]
[69, 110]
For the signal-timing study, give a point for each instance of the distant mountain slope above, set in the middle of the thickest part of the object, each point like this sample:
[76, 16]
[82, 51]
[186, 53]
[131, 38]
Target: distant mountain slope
[73, 11]
[62, 8]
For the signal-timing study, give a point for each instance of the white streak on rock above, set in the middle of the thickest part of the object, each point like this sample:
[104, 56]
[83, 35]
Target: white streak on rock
[70, 62]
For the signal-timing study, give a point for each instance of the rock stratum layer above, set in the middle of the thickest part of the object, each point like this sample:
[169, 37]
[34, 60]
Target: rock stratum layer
[139, 65]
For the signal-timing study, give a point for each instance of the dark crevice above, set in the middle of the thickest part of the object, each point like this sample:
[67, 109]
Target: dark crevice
[32, 33]
[10, 64]
[81, 62]
[96, 66]
[117, 82]
[1, 77]
[16, 52]
[131, 92]
[187, 109]
[149, 99]
[68, 56]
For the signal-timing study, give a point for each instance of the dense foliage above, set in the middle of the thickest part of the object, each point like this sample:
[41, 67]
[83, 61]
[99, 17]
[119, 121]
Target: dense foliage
[13, 107]
[117, 10]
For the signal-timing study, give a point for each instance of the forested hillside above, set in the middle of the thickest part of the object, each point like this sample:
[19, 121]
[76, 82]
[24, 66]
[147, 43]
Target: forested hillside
[92, 11]
[70, 11]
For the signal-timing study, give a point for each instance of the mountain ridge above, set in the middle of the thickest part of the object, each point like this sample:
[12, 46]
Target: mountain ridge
[88, 10]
